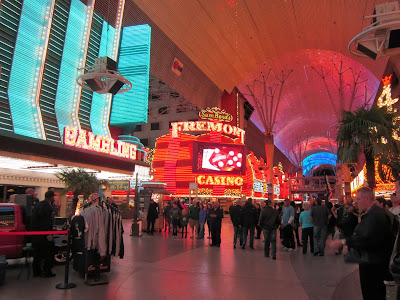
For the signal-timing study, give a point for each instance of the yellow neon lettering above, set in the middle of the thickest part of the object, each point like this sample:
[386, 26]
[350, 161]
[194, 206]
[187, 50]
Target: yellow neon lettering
[215, 126]
[239, 181]
[200, 179]
[105, 145]
[70, 136]
[230, 180]
[209, 180]
[132, 152]
[228, 129]
[94, 143]
[201, 126]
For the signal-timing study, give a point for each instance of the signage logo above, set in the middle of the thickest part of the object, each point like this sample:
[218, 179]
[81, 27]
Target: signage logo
[177, 67]
[216, 114]
[83, 139]
[219, 180]
[227, 129]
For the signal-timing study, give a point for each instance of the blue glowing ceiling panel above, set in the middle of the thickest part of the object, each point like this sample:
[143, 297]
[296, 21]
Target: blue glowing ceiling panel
[25, 69]
[67, 98]
[310, 163]
[130, 108]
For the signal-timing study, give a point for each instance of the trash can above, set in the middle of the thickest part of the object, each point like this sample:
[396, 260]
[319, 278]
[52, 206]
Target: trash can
[3, 267]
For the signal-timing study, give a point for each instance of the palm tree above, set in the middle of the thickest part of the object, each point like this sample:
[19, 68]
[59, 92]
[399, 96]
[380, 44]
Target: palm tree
[79, 182]
[368, 131]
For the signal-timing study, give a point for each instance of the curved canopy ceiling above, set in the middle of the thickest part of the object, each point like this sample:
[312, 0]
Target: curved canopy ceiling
[232, 41]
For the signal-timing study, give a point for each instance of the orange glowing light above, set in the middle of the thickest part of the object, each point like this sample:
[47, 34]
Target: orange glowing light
[387, 80]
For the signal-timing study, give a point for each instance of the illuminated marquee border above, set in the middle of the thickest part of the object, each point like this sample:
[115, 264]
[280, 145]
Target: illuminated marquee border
[83, 139]
[201, 126]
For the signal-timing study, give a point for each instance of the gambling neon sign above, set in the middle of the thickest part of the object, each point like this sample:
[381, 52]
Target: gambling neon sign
[86, 140]
[201, 126]
[219, 180]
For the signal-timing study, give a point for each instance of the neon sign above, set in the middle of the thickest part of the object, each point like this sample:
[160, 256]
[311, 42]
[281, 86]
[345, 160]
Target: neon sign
[219, 180]
[206, 126]
[83, 139]
[387, 95]
[357, 182]
[215, 114]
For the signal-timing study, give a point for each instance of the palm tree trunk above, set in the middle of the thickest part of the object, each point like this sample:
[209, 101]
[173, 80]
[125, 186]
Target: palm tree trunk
[370, 164]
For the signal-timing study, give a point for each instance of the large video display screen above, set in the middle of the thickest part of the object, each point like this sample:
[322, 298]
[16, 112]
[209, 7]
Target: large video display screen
[219, 158]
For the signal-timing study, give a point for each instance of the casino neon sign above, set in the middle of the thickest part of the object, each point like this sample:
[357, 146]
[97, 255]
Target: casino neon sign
[219, 180]
[86, 140]
[200, 126]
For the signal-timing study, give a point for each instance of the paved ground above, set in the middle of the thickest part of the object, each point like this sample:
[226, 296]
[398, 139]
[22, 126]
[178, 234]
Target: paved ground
[159, 267]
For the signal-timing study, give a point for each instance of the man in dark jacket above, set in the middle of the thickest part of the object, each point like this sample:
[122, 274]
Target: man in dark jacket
[235, 212]
[269, 222]
[249, 221]
[374, 238]
[152, 215]
[42, 220]
[216, 215]
[320, 216]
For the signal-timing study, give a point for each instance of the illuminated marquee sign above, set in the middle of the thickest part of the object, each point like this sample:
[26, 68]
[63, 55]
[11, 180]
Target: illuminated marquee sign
[83, 139]
[385, 99]
[219, 180]
[206, 126]
[387, 95]
[258, 186]
[216, 114]
[357, 182]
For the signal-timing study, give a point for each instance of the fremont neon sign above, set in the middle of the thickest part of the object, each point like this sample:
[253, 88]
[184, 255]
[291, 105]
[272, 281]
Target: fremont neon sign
[86, 140]
[227, 129]
[219, 180]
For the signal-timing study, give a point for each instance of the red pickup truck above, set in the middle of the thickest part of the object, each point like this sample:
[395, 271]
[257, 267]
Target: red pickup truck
[11, 220]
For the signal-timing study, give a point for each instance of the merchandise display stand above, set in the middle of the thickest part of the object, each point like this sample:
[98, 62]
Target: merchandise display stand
[90, 255]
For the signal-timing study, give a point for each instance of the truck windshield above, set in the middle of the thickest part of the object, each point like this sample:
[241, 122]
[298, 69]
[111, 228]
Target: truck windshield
[7, 218]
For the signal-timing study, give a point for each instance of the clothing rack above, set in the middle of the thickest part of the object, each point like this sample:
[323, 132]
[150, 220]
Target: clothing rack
[97, 235]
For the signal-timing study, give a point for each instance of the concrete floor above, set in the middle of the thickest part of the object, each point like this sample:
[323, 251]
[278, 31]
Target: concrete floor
[159, 267]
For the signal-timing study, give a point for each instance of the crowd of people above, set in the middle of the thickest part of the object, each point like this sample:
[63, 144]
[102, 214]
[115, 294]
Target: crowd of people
[367, 227]
[178, 216]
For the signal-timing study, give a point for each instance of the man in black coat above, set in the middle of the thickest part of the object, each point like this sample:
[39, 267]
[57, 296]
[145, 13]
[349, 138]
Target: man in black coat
[152, 215]
[235, 212]
[216, 215]
[374, 238]
[249, 221]
[269, 222]
[42, 220]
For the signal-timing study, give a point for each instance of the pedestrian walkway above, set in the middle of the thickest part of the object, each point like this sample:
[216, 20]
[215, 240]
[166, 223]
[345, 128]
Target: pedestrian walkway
[159, 267]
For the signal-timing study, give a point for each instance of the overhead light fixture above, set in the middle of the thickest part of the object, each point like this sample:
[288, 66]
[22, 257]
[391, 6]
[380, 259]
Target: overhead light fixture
[103, 78]
[382, 37]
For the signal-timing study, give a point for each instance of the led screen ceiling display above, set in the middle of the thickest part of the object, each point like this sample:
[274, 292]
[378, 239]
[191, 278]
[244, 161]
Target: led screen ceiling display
[219, 158]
